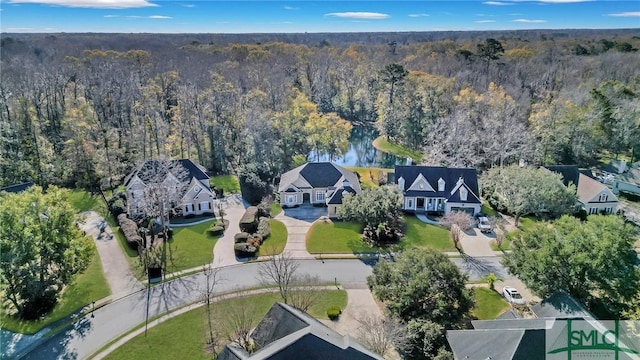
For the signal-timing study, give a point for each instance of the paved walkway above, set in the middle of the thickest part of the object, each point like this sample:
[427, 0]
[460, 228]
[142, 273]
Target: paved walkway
[223, 253]
[114, 265]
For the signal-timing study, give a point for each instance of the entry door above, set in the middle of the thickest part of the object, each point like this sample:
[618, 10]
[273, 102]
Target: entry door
[291, 199]
[420, 203]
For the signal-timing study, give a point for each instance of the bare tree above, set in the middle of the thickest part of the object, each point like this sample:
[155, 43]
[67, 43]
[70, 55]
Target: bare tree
[382, 334]
[213, 336]
[463, 220]
[241, 320]
[304, 292]
[279, 269]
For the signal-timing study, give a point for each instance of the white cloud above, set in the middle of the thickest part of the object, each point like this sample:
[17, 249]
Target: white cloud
[100, 4]
[160, 17]
[626, 14]
[529, 21]
[359, 15]
[563, 1]
[291, 8]
[19, 29]
[138, 17]
[484, 21]
[188, 5]
[497, 3]
[418, 15]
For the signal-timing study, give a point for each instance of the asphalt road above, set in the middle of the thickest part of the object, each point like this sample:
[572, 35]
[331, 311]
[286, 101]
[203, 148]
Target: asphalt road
[90, 334]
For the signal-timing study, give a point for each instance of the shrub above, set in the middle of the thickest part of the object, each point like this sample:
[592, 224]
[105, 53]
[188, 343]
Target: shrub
[240, 237]
[117, 207]
[130, 230]
[244, 250]
[264, 229]
[264, 208]
[190, 216]
[249, 221]
[216, 230]
[255, 240]
[334, 312]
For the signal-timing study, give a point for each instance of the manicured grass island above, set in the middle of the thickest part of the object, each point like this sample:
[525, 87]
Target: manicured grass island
[398, 150]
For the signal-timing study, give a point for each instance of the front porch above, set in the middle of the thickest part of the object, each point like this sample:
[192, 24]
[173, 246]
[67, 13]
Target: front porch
[424, 204]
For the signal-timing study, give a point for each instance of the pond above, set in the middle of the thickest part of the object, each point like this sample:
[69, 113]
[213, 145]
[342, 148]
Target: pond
[361, 151]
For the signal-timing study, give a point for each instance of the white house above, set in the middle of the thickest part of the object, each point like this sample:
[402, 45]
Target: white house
[193, 189]
[438, 189]
[594, 197]
[323, 183]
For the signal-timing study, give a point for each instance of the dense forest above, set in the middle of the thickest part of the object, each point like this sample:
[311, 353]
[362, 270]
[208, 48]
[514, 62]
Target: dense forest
[83, 109]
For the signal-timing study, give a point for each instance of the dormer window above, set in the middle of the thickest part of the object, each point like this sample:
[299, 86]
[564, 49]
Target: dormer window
[463, 193]
[401, 183]
[441, 184]
[603, 197]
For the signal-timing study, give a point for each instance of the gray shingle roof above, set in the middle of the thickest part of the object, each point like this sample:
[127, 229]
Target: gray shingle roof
[288, 333]
[432, 174]
[149, 169]
[560, 305]
[319, 175]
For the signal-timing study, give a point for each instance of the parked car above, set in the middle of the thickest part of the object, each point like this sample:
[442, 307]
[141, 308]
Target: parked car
[484, 224]
[512, 295]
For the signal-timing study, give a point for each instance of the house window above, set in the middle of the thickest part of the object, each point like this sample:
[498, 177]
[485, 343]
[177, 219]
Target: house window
[441, 184]
[291, 199]
[199, 207]
[603, 197]
[608, 210]
[196, 188]
[463, 194]
[410, 203]
[593, 211]
[319, 196]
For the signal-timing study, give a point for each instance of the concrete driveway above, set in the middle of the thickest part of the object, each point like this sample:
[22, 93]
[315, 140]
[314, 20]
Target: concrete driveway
[305, 213]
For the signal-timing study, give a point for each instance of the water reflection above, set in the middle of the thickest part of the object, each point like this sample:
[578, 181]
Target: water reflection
[361, 151]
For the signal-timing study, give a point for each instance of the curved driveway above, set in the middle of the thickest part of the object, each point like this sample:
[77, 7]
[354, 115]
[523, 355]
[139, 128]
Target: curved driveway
[91, 333]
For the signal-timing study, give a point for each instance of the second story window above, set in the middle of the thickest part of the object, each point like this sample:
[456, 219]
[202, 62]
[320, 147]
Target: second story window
[319, 196]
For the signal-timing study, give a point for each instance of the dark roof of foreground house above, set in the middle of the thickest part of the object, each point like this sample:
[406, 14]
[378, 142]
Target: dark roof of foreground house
[433, 174]
[154, 168]
[318, 175]
[288, 333]
[517, 338]
[570, 173]
[17, 188]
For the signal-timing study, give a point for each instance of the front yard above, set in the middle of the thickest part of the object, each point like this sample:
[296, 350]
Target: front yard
[346, 238]
[276, 242]
[488, 304]
[187, 331]
[190, 247]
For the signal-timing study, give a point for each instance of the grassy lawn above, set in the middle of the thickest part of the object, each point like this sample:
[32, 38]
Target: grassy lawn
[276, 242]
[488, 304]
[346, 238]
[275, 209]
[82, 200]
[421, 235]
[89, 286]
[228, 183]
[506, 244]
[369, 176]
[336, 237]
[383, 144]
[191, 246]
[187, 331]
[488, 210]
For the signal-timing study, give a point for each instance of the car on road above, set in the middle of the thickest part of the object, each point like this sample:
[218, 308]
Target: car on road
[512, 295]
[484, 224]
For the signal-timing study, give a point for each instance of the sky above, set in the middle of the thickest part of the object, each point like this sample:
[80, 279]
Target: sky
[239, 16]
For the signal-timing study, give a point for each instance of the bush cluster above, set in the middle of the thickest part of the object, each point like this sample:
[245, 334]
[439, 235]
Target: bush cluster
[334, 312]
[264, 228]
[249, 221]
[130, 230]
[118, 202]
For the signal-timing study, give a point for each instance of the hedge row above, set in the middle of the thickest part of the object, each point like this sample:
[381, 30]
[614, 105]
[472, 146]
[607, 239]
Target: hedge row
[130, 230]
[249, 221]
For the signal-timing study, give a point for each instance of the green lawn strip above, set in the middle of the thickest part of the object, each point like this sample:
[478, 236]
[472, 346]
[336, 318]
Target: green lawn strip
[228, 183]
[276, 242]
[183, 337]
[191, 246]
[421, 235]
[336, 237]
[88, 286]
[487, 210]
[370, 176]
[82, 200]
[276, 209]
[398, 150]
[488, 304]
[506, 244]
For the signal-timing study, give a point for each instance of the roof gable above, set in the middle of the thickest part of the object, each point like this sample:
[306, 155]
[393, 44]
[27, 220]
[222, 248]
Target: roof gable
[318, 175]
[421, 184]
[589, 190]
[322, 174]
